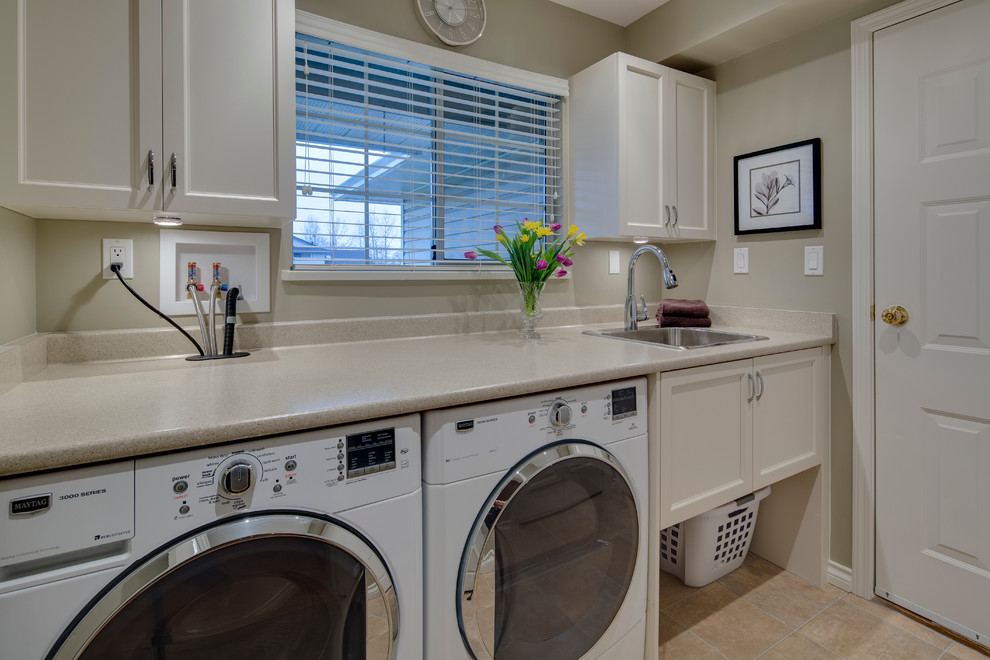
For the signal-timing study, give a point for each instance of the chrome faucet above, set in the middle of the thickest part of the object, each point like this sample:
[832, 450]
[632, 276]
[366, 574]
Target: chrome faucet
[633, 314]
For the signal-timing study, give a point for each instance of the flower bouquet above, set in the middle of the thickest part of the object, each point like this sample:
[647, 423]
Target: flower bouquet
[534, 258]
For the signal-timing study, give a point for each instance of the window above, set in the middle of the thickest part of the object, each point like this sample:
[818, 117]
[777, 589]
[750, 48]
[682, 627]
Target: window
[406, 166]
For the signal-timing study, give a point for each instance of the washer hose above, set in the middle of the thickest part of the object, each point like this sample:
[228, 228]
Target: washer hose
[230, 317]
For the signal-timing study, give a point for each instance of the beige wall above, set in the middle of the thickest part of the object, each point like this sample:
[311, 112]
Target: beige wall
[530, 34]
[17, 272]
[794, 90]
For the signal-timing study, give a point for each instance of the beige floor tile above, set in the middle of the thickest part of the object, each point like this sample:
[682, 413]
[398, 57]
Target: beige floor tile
[735, 628]
[798, 647]
[882, 609]
[777, 592]
[673, 590]
[857, 634]
[677, 643]
[959, 651]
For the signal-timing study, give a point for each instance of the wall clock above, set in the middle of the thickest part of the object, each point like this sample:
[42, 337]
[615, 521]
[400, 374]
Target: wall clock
[454, 22]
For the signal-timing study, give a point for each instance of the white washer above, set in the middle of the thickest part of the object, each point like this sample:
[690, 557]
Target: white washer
[305, 545]
[535, 514]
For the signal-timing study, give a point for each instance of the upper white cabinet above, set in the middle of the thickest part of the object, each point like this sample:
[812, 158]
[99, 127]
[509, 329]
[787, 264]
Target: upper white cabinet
[642, 151]
[123, 109]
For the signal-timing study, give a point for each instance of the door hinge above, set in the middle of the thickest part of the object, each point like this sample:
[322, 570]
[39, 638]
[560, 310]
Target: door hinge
[873, 312]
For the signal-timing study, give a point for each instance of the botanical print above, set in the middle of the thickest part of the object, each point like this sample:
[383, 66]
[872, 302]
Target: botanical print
[776, 189]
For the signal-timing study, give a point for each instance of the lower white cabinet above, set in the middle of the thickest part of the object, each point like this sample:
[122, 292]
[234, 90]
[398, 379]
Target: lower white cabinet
[728, 429]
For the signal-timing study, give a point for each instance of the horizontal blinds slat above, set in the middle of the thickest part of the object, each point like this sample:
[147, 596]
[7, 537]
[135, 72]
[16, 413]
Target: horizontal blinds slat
[400, 163]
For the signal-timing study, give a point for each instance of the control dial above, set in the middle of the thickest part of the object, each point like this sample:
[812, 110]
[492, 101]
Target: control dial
[560, 414]
[237, 477]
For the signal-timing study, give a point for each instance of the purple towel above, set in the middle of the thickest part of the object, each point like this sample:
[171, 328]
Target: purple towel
[696, 309]
[683, 322]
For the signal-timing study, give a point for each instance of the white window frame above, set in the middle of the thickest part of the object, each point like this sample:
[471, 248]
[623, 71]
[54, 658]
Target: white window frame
[336, 31]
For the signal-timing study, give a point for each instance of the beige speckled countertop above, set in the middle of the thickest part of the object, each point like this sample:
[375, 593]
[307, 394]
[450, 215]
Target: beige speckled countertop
[69, 413]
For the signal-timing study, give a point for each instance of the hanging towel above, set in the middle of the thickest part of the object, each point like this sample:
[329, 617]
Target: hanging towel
[683, 322]
[690, 308]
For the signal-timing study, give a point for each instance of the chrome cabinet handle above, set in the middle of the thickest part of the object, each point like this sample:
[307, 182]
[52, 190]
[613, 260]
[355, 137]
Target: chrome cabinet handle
[675, 216]
[666, 208]
[752, 388]
[151, 167]
[173, 171]
[759, 377]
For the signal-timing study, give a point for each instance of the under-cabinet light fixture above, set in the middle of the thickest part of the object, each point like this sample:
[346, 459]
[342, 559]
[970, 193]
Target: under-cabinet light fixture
[167, 221]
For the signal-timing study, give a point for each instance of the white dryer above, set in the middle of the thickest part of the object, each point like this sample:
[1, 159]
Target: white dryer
[535, 514]
[298, 546]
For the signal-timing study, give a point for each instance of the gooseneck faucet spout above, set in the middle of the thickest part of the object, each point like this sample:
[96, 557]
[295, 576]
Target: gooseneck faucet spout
[633, 314]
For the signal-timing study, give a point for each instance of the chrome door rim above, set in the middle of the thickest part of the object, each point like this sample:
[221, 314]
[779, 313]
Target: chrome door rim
[174, 555]
[480, 546]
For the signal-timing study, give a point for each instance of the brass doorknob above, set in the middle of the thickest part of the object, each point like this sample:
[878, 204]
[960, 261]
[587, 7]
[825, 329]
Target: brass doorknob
[895, 315]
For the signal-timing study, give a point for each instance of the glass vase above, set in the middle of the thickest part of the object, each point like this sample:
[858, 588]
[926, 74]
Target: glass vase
[530, 310]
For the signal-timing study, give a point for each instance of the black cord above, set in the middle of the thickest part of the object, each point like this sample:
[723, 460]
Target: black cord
[116, 269]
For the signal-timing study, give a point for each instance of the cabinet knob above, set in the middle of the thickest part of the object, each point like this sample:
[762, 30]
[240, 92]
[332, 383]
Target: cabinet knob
[895, 315]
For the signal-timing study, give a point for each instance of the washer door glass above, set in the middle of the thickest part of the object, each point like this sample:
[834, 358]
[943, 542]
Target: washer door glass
[265, 587]
[550, 558]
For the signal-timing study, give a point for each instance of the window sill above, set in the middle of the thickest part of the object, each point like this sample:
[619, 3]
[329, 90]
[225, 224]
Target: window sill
[400, 276]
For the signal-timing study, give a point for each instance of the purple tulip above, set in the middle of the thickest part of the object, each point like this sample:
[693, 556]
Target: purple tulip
[471, 254]
[499, 229]
[561, 273]
[567, 262]
[555, 226]
[541, 264]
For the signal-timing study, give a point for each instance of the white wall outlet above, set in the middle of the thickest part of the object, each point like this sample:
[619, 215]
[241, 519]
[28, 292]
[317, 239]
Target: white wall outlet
[118, 250]
[814, 260]
[613, 262]
[740, 261]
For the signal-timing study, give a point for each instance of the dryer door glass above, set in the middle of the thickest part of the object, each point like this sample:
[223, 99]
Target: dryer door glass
[551, 557]
[294, 594]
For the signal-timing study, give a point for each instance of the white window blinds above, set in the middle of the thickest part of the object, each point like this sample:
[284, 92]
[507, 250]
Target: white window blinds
[406, 166]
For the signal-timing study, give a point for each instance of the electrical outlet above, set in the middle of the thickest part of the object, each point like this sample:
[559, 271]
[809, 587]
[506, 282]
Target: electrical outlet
[118, 250]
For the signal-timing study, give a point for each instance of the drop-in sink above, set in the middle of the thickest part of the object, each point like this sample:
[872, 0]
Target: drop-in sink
[680, 338]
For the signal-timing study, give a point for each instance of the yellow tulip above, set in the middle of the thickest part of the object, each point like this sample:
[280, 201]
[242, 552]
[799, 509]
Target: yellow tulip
[579, 240]
[532, 226]
[524, 238]
[572, 230]
[544, 231]
[502, 239]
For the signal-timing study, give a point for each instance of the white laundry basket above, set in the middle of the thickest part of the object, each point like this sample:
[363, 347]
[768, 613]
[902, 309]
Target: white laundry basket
[704, 548]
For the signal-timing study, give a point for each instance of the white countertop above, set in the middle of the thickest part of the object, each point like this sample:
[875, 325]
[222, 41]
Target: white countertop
[73, 414]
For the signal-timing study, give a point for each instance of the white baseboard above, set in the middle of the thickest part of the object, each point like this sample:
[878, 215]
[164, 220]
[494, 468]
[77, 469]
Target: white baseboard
[839, 576]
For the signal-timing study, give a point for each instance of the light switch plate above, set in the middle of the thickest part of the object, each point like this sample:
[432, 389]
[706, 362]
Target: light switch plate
[740, 263]
[814, 260]
[613, 262]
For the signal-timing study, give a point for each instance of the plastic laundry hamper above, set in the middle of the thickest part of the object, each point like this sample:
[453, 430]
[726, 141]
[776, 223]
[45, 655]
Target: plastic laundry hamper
[704, 548]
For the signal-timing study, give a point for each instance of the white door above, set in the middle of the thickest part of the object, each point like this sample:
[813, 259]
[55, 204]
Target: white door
[932, 197]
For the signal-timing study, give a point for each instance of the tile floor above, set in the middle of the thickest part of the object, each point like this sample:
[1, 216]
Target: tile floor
[762, 611]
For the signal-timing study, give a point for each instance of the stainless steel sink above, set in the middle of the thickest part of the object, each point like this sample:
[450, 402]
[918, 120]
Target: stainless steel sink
[679, 338]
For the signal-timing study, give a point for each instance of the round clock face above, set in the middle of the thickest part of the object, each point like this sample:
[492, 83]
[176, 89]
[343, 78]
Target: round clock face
[455, 22]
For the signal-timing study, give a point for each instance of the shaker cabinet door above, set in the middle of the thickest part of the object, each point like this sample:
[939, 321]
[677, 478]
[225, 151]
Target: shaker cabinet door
[80, 123]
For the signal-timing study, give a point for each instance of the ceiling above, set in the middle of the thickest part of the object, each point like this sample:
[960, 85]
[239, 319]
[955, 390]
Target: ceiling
[620, 12]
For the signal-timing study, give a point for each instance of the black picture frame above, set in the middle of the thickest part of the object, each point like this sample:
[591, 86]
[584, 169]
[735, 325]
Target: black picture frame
[779, 189]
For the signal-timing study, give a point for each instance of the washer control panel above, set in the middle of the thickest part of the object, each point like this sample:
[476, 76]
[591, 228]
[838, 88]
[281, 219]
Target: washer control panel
[326, 470]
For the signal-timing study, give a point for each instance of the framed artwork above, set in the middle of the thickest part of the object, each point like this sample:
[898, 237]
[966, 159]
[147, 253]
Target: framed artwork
[779, 189]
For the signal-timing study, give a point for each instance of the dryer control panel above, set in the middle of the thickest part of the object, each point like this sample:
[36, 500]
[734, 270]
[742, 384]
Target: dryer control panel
[489, 437]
